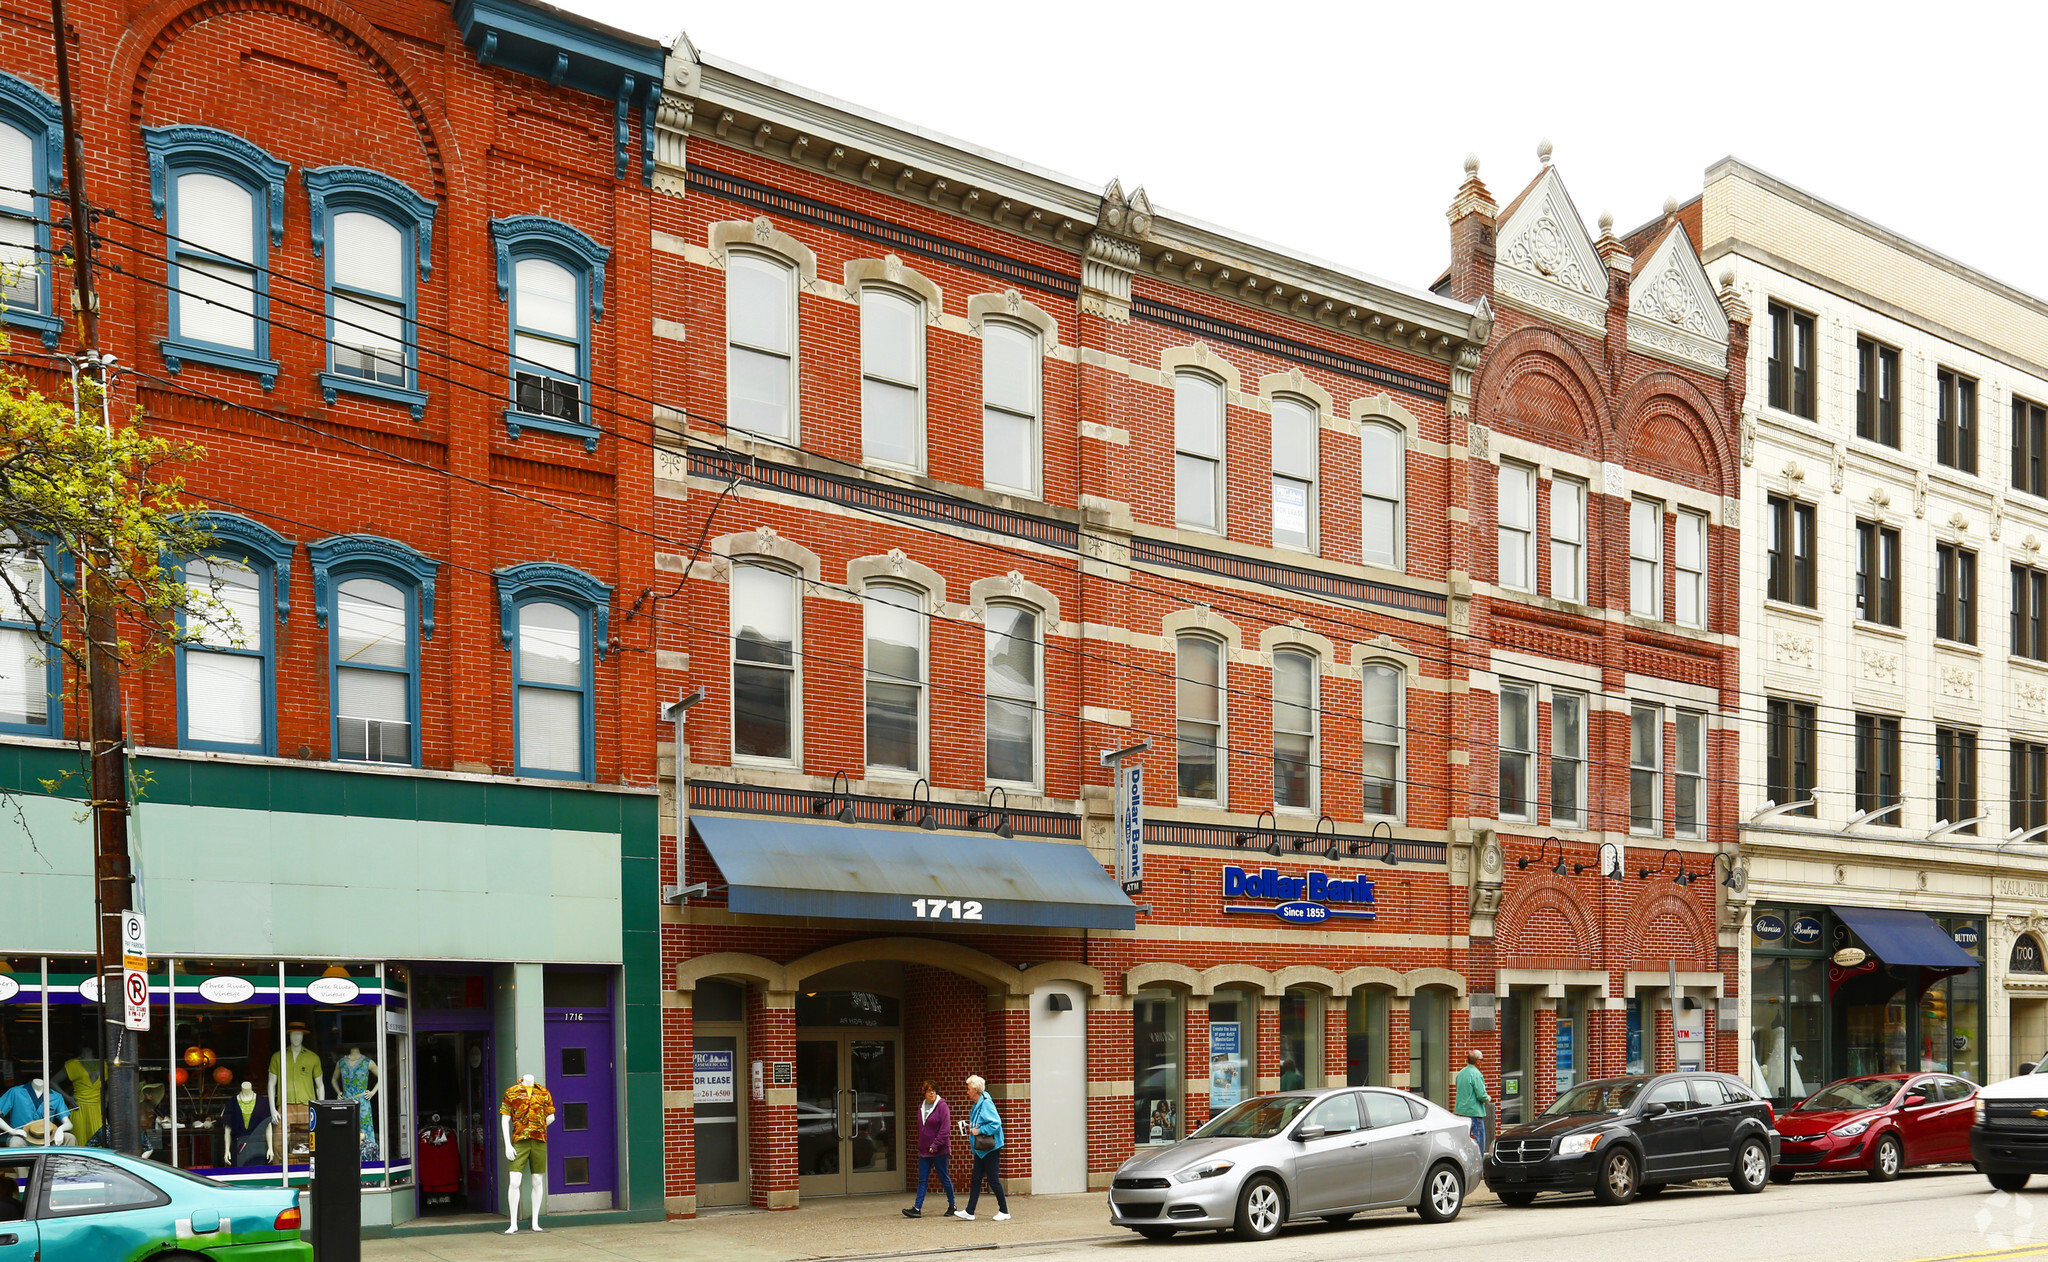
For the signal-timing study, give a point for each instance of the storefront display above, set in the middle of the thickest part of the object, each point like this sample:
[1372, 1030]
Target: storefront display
[1156, 1051]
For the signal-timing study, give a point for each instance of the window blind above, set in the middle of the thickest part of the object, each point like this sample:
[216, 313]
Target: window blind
[223, 697]
[547, 299]
[24, 680]
[550, 729]
[216, 303]
[217, 215]
[371, 625]
[17, 170]
[369, 254]
[226, 605]
[550, 645]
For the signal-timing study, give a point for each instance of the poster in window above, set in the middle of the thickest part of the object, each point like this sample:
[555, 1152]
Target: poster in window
[713, 1078]
[1226, 1067]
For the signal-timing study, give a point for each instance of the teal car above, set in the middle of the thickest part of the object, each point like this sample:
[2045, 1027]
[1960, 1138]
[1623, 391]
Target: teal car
[90, 1205]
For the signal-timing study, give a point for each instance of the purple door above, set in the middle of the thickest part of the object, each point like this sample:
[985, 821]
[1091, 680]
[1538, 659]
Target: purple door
[583, 1149]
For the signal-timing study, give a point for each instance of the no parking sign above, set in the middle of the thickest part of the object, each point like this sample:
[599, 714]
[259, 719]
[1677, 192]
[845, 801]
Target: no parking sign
[134, 972]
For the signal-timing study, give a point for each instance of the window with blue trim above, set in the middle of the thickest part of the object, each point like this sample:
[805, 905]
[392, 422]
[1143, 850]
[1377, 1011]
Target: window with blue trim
[227, 670]
[555, 619]
[30, 678]
[377, 236]
[31, 153]
[223, 200]
[371, 593]
[552, 277]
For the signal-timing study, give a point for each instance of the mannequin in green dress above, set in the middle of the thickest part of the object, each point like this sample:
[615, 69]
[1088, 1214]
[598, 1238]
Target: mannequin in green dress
[85, 1074]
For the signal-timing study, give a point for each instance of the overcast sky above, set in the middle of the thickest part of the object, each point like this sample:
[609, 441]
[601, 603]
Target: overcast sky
[1339, 130]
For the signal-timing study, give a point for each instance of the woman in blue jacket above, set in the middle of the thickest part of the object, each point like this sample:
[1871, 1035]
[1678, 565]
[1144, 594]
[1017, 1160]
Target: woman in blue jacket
[985, 1137]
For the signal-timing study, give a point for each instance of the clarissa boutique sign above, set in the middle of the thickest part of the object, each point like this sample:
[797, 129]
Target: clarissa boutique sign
[1302, 900]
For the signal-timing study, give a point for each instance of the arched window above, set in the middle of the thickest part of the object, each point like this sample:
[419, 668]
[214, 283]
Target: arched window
[760, 353]
[553, 278]
[1010, 386]
[895, 680]
[1199, 730]
[766, 671]
[227, 669]
[223, 200]
[1297, 434]
[1382, 694]
[1014, 683]
[31, 680]
[1198, 436]
[556, 620]
[1382, 470]
[1294, 730]
[31, 156]
[376, 234]
[891, 377]
[371, 594]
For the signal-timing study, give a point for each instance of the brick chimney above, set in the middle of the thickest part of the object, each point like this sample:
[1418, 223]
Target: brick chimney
[1472, 216]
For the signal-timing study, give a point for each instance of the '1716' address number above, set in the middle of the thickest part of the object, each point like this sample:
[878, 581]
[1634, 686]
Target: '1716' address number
[945, 909]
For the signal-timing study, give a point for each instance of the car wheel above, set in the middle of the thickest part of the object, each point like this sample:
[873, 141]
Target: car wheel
[1781, 1176]
[1156, 1233]
[1261, 1208]
[1752, 1167]
[1618, 1177]
[1886, 1160]
[1517, 1199]
[2008, 1181]
[1443, 1194]
[1336, 1220]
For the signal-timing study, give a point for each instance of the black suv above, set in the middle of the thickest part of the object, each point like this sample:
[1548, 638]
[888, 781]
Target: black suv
[1623, 1137]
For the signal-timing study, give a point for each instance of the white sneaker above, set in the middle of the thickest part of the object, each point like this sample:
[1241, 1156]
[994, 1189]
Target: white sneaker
[1002, 1216]
[961, 1213]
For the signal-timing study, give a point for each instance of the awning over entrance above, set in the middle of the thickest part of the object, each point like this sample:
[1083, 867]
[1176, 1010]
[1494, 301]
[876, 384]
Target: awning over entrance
[1904, 938]
[779, 867]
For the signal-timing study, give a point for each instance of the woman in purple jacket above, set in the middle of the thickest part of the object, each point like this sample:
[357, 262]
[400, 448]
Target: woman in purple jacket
[934, 1148]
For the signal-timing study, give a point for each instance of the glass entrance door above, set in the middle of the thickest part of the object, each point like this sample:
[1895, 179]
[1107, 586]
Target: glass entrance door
[848, 1097]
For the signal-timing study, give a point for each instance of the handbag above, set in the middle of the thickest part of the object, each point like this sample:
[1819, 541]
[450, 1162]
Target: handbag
[984, 1143]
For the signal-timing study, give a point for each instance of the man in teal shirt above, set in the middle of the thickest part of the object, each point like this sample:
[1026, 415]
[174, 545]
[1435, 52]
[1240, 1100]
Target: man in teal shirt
[1472, 1100]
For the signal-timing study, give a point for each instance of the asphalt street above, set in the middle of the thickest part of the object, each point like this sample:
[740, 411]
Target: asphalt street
[1920, 1218]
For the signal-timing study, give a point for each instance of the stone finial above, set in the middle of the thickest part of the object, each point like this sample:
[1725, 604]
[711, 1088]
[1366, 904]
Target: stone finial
[1670, 207]
[1732, 302]
[1471, 166]
[1728, 278]
[1606, 222]
[1543, 151]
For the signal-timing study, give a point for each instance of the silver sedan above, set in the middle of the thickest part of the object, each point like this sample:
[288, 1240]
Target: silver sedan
[1300, 1155]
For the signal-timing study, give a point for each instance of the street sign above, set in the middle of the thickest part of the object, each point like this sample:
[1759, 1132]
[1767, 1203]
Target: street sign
[1130, 827]
[134, 972]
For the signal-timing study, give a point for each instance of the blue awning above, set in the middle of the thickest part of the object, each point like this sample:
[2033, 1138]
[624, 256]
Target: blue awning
[780, 867]
[1904, 938]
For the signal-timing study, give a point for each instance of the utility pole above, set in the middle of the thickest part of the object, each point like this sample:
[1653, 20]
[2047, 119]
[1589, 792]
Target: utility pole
[107, 743]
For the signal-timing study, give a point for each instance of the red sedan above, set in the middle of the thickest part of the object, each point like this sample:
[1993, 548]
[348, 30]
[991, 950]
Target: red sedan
[1880, 1124]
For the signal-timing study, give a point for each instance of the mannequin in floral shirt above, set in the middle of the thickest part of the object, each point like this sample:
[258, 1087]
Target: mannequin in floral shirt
[524, 1116]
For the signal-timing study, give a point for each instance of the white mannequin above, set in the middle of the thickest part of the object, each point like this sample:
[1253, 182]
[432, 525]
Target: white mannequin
[17, 1137]
[515, 1178]
[246, 1098]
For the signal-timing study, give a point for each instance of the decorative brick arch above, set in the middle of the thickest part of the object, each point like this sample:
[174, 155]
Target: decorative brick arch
[153, 31]
[1664, 921]
[1536, 370]
[1663, 413]
[1533, 898]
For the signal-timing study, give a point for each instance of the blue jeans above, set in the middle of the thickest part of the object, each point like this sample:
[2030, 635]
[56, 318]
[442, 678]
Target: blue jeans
[1479, 1132]
[987, 1165]
[925, 1166]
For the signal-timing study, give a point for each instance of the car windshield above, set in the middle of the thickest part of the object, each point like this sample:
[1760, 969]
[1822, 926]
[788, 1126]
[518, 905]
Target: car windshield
[1613, 1095]
[1851, 1093]
[1262, 1118]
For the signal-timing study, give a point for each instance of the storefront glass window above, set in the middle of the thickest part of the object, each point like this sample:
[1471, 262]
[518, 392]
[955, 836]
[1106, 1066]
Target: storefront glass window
[1233, 1041]
[1156, 1025]
[717, 1010]
[1365, 1040]
[1787, 999]
[1428, 1043]
[1301, 1039]
[1514, 1076]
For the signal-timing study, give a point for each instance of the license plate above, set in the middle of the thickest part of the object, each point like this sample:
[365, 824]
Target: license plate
[1515, 1176]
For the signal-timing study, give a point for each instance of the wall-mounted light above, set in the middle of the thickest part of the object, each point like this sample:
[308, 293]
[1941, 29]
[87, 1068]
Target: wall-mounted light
[927, 820]
[823, 806]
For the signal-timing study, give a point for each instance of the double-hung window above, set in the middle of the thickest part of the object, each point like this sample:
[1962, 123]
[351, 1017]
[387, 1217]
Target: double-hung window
[1877, 392]
[379, 591]
[1294, 730]
[377, 235]
[1010, 386]
[558, 622]
[1955, 593]
[764, 663]
[1382, 696]
[2027, 801]
[1877, 573]
[1646, 558]
[30, 157]
[1198, 733]
[1955, 420]
[1516, 498]
[1568, 759]
[1383, 472]
[1645, 768]
[1791, 361]
[1955, 777]
[1297, 431]
[1690, 788]
[1517, 751]
[223, 200]
[891, 377]
[1790, 757]
[895, 625]
[1690, 564]
[1791, 571]
[29, 679]
[1014, 711]
[1198, 486]
[2029, 447]
[1877, 765]
[2029, 613]
[1568, 540]
[553, 278]
[760, 345]
[226, 656]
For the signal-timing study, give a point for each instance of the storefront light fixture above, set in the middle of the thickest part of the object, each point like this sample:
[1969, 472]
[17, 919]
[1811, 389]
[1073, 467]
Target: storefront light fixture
[1387, 848]
[1558, 868]
[1683, 878]
[823, 806]
[1732, 881]
[1330, 850]
[999, 818]
[926, 819]
[1258, 828]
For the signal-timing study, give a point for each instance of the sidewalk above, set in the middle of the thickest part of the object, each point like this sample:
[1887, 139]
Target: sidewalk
[846, 1227]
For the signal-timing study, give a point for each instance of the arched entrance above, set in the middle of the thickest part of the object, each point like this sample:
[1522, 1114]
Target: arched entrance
[849, 1081]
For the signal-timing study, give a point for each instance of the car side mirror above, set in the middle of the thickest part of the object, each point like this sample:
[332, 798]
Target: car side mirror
[1913, 1098]
[1656, 1108]
[2026, 1067]
[1307, 1132]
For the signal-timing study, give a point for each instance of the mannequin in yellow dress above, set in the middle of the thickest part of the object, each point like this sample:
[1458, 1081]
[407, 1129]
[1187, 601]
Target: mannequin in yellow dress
[85, 1074]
